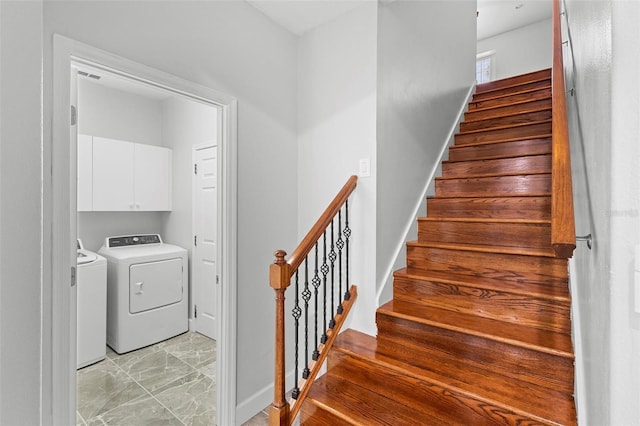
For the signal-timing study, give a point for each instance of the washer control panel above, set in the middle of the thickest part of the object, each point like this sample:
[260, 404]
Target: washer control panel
[133, 240]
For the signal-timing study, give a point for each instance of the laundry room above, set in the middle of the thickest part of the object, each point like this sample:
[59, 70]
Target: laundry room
[148, 216]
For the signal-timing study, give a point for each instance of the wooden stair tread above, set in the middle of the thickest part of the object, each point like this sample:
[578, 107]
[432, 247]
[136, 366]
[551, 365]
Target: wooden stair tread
[504, 157]
[483, 143]
[515, 81]
[508, 119]
[442, 178]
[558, 344]
[522, 251]
[535, 93]
[465, 380]
[498, 304]
[555, 293]
[357, 405]
[492, 150]
[521, 106]
[484, 220]
[486, 186]
[506, 92]
[507, 126]
[543, 135]
[524, 206]
[522, 164]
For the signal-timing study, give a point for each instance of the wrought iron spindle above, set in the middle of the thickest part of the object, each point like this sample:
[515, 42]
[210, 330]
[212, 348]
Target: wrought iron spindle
[332, 259]
[296, 312]
[340, 245]
[325, 270]
[316, 284]
[306, 296]
[347, 234]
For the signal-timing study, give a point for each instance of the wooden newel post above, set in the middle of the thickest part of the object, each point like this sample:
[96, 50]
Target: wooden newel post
[279, 279]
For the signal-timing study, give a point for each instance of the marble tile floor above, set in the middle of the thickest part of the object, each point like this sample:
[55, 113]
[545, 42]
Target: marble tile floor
[169, 383]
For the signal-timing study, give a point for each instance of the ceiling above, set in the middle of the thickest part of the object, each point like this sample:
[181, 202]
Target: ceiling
[499, 16]
[495, 17]
[300, 16]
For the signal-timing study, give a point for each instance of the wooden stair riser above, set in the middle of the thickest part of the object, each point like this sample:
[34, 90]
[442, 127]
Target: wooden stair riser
[499, 186]
[511, 267]
[521, 118]
[506, 360]
[534, 208]
[514, 132]
[446, 405]
[501, 111]
[537, 312]
[541, 84]
[487, 151]
[515, 81]
[531, 235]
[506, 100]
[532, 164]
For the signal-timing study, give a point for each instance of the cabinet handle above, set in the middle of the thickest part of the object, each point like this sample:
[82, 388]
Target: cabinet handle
[139, 291]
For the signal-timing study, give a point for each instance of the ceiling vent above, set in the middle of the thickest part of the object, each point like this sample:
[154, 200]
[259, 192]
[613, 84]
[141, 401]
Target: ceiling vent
[89, 75]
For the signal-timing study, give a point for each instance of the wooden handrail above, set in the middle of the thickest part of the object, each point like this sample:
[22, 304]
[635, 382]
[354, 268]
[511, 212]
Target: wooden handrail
[563, 233]
[281, 270]
[323, 222]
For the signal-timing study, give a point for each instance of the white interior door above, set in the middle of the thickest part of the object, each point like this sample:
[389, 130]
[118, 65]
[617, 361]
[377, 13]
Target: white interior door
[205, 242]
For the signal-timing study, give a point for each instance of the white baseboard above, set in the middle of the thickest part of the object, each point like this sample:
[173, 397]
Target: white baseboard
[257, 402]
[580, 391]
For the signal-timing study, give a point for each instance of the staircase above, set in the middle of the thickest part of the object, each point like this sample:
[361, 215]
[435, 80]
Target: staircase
[478, 331]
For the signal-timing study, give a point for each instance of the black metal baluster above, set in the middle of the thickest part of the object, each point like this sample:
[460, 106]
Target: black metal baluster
[306, 296]
[340, 245]
[325, 270]
[296, 312]
[347, 234]
[316, 284]
[332, 259]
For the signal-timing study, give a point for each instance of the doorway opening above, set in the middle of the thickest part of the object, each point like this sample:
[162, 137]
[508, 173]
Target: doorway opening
[70, 218]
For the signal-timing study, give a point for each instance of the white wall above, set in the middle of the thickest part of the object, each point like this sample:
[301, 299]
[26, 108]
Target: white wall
[336, 125]
[233, 48]
[520, 51]
[185, 123]
[605, 39]
[111, 113]
[20, 212]
[625, 213]
[426, 57]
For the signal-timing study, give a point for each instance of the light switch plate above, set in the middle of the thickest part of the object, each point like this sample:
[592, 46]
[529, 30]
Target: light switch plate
[364, 169]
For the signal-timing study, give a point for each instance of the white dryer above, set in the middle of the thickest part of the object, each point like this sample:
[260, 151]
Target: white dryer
[147, 295]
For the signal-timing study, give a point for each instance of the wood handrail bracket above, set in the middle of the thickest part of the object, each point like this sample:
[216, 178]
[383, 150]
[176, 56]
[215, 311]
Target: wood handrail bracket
[563, 233]
[283, 412]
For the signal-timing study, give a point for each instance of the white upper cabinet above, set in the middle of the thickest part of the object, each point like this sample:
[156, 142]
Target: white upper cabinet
[112, 175]
[152, 177]
[127, 176]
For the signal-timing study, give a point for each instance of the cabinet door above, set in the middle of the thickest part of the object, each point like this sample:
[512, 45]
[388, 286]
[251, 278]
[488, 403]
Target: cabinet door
[112, 175]
[85, 173]
[152, 178]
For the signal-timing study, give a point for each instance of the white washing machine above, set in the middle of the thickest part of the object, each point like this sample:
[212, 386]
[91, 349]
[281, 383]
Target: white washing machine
[147, 294]
[91, 302]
